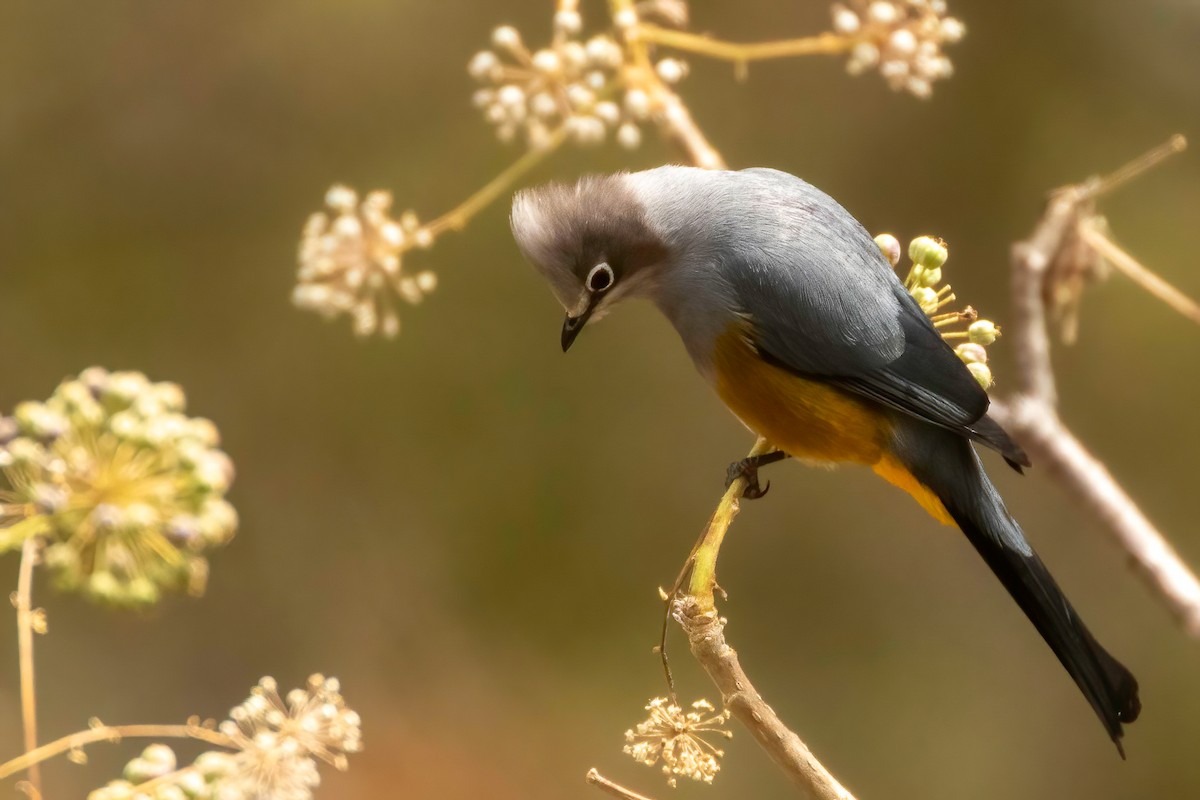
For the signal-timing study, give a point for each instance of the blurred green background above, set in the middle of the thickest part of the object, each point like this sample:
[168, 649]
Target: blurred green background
[468, 527]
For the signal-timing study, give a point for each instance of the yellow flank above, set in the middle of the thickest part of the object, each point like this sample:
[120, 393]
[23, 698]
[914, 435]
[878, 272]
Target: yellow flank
[810, 420]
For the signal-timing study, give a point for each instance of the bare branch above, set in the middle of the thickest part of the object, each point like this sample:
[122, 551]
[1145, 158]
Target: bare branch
[1031, 416]
[706, 636]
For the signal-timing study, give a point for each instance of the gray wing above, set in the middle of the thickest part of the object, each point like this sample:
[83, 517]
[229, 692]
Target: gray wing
[823, 303]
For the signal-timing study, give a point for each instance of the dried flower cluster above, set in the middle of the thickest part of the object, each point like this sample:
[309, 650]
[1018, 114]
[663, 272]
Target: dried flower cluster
[901, 38]
[928, 254]
[674, 737]
[588, 88]
[276, 745]
[126, 489]
[350, 261]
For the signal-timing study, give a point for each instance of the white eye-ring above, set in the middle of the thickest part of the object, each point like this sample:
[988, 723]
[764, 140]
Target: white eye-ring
[600, 278]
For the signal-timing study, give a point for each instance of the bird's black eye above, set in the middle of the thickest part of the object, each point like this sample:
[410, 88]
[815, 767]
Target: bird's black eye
[600, 278]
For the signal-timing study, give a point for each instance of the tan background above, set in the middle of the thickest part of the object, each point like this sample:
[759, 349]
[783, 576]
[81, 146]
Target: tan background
[468, 527]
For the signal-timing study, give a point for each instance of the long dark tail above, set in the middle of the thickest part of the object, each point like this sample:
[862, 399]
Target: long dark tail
[948, 465]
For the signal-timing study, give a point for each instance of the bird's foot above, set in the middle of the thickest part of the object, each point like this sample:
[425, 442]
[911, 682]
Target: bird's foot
[746, 469]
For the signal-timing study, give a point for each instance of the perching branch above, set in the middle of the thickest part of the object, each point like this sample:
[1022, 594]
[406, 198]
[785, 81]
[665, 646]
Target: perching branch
[693, 606]
[1055, 254]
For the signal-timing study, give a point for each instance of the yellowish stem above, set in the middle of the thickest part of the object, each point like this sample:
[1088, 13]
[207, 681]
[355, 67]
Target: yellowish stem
[111, 733]
[29, 556]
[741, 54]
[703, 577]
[609, 787]
[458, 217]
[1143, 277]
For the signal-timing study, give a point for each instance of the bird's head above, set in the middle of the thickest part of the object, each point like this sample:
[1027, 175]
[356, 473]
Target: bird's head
[591, 241]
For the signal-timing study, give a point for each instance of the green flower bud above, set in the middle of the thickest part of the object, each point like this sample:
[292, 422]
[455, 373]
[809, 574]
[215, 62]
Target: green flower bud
[971, 353]
[104, 586]
[981, 373]
[926, 298]
[983, 331]
[927, 251]
[931, 277]
[890, 247]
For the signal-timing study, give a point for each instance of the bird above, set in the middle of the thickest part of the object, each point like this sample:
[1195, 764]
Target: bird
[791, 312]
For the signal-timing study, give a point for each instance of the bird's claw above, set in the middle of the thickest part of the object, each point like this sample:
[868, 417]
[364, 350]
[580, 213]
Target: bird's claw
[748, 470]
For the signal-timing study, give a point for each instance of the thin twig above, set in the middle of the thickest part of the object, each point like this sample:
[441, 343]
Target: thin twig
[111, 733]
[738, 53]
[609, 787]
[460, 215]
[1136, 272]
[24, 602]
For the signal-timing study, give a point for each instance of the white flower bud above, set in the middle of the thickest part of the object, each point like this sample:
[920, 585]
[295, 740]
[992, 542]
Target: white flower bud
[482, 65]
[568, 22]
[637, 103]
[919, 87]
[971, 353]
[902, 42]
[506, 38]
[341, 198]
[883, 13]
[629, 136]
[609, 112]
[890, 247]
[625, 18]
[547, 62]
[845, 21]
[543, 105]
[671, 70]
[952, 29]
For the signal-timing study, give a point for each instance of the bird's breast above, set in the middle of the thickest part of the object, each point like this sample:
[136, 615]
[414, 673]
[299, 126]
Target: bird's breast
[808, 419]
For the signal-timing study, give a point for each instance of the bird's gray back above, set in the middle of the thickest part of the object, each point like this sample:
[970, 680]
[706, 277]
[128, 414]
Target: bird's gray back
[767, 247]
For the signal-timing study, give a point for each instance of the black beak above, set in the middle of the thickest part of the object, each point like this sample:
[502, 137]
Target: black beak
[573, 325]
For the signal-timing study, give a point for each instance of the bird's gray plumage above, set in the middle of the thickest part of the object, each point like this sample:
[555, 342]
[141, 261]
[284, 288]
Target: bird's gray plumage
[813, 294]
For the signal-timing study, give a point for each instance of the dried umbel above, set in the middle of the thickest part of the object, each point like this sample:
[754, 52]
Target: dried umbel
[275, 748]
[350, 261]
[675, 737]
[126, 490]
[924, 283]
[903, 39]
